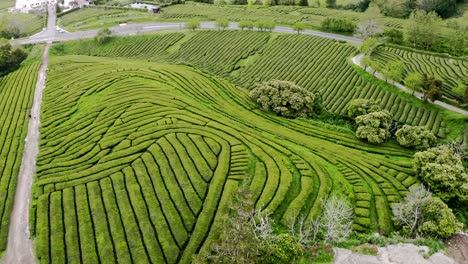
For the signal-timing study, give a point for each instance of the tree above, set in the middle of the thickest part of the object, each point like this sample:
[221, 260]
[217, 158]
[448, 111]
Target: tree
[193, 25]
[374, 127]
[369, 28]
[375, 65]
[409, 212]
[10, 59]
[457, 37]
[246, 24]
[238, 242]
[415, 137]
[103, 36]
[393, 70]
[394, 36]
[299, 27]
[284, 249]
[431, 87]
[368, 45]
[330, 3]
[422, 214]
[336, 220]
[284, 98]
[439, 220]
[337, 25]
[222, 23]
[444, 8]
[358, 107]
[423, 28]
[366, 61]
[442, 170]
[413, 81]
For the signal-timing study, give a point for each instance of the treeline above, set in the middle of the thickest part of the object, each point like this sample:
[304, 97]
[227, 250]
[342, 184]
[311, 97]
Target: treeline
[393, 8]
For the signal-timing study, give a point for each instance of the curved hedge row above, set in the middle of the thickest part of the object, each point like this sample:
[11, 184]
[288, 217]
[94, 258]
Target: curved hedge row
[16, 97]
[139, 161]
[245, 57]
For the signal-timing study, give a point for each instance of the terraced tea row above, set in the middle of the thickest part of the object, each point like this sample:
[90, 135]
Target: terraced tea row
[451, 71]
[138, 162]
[317, 64]
[16, 96]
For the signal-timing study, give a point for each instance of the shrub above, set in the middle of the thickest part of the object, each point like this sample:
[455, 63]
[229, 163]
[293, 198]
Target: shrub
[338, 25]
[439, 220]
[284, 249]
[359, 107]
[415, 137]
[103, 36]
[284, 98]
[442, 170]
[374, 127]
[422, 214]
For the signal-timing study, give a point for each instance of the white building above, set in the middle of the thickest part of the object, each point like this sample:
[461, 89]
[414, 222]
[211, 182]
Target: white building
[28, 5]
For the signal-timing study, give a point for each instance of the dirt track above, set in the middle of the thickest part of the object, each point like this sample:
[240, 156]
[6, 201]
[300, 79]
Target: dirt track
[20, 247]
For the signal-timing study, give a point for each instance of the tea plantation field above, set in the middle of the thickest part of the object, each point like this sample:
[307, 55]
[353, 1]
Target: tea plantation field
[451, 71]
[16, 96]
[138, 161]
[245, 57]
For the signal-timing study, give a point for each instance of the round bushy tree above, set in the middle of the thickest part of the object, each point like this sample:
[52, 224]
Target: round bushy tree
[284, 249]
[374, 127]
[438, 219]
[359, 107]
[415, 137]
[442, 170]
[284, 98]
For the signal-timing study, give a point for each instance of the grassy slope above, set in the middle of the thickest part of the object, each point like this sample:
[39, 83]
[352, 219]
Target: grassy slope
[28, 24]
[146, 156]
[250, 57]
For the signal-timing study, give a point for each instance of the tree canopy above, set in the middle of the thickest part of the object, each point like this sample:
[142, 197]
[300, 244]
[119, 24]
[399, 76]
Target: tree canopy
[415, 137]
[442, 170]
[284, 98]
[374, 127]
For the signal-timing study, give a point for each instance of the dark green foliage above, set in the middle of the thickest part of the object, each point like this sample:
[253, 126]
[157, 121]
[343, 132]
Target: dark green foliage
[438, 220]
[442, 170]
[10, 59]
[415, 137]
[284, 249]
[358, 107]
[374, 127]
[341, 25]
[331, 3]
[284, 98]
[431, 87]
[394, 36]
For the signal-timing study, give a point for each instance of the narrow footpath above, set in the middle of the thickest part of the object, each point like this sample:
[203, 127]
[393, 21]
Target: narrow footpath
[20, 248]
[358, 61]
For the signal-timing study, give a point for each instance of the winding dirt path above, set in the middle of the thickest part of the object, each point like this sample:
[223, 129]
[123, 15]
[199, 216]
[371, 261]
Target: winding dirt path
[20, 247]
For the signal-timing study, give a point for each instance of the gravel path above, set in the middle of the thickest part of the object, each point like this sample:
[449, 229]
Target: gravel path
[358, 61]
[20, 246]
[392, 254]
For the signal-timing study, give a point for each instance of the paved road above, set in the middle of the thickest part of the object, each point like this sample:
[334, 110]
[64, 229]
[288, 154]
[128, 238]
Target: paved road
[144, 28]
[358, 61]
